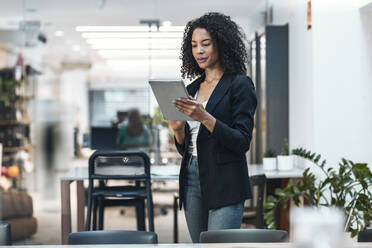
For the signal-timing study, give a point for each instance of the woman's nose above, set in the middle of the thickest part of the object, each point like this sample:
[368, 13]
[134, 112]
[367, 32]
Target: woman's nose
[200, 49]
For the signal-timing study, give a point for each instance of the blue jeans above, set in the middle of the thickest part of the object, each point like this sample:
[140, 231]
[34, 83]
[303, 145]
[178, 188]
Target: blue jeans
[199, 219]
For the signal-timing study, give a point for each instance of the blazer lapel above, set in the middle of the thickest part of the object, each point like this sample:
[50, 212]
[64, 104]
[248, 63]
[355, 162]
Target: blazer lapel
[218, 92]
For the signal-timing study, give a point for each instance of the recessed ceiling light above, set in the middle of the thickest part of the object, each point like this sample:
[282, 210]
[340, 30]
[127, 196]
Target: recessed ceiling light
[167, 23]
[59, 33]
[171, 28]
[112, 28]
[90, 35]
[124, 53]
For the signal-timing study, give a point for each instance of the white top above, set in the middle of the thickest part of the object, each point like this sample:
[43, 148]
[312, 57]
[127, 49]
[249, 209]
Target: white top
[194, 129]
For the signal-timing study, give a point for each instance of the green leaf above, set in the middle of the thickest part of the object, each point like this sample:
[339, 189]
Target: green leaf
[353, 233]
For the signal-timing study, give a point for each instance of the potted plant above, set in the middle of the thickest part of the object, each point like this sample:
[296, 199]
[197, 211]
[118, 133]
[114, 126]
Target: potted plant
[285, 161]
[298, 161]
[269, 160]
[8, 86]
[346, 187]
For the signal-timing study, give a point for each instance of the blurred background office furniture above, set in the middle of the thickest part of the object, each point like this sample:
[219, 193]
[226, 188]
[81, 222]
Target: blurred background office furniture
[269, 69]
[112, 237]
[244, 236]
[16, 208]
[365, 235]
[5, 233]
[124, 166]
[103, 138]
[253, 208]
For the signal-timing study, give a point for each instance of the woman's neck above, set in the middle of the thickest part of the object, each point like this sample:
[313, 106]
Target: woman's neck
[213, 74]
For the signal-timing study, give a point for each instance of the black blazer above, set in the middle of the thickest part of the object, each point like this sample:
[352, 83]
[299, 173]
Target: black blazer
[223, 171]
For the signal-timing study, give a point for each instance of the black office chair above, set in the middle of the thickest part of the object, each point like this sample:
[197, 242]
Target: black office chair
[244, 236]
[112, 237]
[119, 165]
[5, 233]
[365, 235]
[101, 203]
[253, 208]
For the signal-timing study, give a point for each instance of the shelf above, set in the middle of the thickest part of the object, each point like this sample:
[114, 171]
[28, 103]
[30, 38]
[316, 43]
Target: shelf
[24, 97]
[14, 149]
[13, 122]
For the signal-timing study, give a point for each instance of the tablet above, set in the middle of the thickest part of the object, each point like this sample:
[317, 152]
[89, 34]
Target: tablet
[165, 92]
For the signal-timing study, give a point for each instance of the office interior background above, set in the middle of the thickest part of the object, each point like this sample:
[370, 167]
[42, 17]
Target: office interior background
[85, 63]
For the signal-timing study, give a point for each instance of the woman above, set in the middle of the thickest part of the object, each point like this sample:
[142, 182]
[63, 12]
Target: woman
[214, 178]
[134, 134]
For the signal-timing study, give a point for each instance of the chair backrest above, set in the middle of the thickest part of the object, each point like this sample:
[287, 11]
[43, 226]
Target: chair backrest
[133, 166]
[244, 236]
[5, 233]
[130, 165]
[258, 184]
[365, 236]
[112, 237]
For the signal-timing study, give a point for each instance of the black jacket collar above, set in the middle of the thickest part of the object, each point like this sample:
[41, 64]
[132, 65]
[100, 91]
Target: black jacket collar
[217, 94]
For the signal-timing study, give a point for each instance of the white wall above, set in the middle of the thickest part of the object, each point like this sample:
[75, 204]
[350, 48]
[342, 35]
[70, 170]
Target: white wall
[330, 77]
[342, 82]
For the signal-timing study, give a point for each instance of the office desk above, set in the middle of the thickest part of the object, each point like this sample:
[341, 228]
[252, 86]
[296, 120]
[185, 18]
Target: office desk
[158, 172]
[216, 245]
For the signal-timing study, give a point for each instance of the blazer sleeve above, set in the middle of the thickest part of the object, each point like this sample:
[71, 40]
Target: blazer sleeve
[180, 147]
[237, 137]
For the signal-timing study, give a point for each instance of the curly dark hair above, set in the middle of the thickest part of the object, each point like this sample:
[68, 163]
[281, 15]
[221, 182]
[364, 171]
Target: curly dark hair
[229, 38]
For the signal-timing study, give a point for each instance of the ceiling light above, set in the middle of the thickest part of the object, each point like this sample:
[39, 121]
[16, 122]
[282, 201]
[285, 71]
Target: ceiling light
[129, 28]
[167, 23]
[136, 42]
[112, 28]
[142, 47]
[171, 28]
[131, 35]
[129, 53]
[59, 33]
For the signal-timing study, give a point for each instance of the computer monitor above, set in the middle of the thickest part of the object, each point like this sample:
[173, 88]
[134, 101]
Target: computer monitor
[103, 138]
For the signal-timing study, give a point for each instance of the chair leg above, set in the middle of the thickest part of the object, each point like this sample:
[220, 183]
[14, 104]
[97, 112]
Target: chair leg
[150, 213]
[101, 214]
[175, 219]
[89, 211]
[95, 214]
[140, 214]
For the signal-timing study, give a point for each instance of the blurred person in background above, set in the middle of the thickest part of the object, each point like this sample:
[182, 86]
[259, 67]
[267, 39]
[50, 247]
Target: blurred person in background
[134, 134]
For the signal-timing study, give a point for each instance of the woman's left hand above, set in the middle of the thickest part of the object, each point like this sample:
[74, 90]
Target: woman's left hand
[191, 108]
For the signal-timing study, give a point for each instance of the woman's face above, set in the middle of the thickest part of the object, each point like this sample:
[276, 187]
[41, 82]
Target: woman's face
[204, 49]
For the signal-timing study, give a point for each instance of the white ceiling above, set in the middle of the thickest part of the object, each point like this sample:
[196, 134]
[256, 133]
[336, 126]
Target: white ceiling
[65, 15]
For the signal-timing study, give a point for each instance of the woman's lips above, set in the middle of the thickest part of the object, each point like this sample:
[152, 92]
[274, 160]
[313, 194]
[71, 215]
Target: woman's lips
[202, 60]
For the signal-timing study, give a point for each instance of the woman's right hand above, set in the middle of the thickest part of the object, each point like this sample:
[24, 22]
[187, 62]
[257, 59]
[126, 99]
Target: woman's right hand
[176, 125]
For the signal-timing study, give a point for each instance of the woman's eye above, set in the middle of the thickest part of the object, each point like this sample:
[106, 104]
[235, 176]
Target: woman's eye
[207, 44]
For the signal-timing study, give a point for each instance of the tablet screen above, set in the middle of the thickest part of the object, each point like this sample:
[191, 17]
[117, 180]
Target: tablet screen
[165, 92]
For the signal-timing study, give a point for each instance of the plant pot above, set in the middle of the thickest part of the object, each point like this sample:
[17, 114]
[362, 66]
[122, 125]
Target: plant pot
[285, 162]
[269, 164]
[299, 162]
